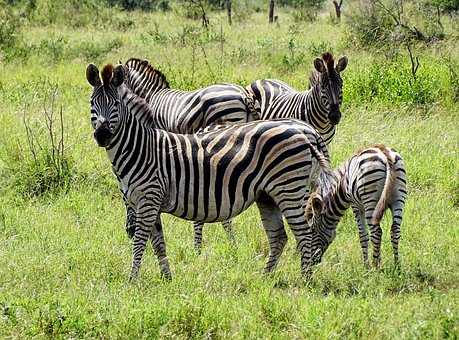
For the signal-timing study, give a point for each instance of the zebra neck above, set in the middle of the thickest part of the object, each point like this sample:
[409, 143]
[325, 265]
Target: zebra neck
[316, 113]
[133, 153]
[134, 136]
[336, 200]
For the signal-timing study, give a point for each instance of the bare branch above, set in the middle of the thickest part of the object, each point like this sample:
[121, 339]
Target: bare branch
[414, 62]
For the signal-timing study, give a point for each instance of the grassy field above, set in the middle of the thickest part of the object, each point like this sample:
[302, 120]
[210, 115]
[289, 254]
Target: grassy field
[64, 254]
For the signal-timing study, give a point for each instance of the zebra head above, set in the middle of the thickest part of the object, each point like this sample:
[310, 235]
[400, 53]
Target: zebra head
[330, 83]
[323, 232]
[105, 101]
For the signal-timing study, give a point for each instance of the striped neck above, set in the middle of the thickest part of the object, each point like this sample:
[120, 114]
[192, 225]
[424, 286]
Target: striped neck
[315, 111]
[135, 122]
[335, 203]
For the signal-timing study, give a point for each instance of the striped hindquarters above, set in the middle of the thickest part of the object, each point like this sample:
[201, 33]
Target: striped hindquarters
[217, 175]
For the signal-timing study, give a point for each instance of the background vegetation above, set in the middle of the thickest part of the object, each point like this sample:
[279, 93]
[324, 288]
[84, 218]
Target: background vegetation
[64, 256]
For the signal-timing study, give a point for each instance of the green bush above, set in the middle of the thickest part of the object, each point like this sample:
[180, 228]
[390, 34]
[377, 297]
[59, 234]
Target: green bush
[92, 51]
[393, 82]
[447, 5]
[9, 27]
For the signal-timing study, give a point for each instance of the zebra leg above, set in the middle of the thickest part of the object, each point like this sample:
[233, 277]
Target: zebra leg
[198, 236]
[397, 213]
[159, 247]
[140, 239]
[363, 235]
[147, 214]
[376, 235]
[297, 221]
[228, 226]
[271, 218]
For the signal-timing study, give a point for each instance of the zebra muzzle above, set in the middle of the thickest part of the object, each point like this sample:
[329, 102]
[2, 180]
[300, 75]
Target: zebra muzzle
[334, 117]
[103, 135]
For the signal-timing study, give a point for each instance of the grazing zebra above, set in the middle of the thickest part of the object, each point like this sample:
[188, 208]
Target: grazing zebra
[319, 106]
[371, 181]
[188, 112]
[206, 177]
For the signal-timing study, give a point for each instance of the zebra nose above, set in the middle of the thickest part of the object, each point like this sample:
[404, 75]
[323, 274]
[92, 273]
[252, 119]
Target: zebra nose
[103, 134]
[335, 115]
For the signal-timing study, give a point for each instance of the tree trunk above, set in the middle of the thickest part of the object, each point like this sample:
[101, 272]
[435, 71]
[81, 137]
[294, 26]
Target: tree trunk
[228, 11]
[338, 8]
[271, 11]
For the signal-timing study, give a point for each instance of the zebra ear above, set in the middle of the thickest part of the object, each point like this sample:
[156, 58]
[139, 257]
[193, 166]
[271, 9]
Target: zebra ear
[342, 63]
[319, 65]
[317, 204]
[118, 76]
[92, 75]
[309, 214]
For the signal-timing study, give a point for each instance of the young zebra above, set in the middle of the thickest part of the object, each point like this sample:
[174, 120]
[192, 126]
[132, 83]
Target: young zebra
[189, 111]
[318, 106]
[371, 181]
[208, 177]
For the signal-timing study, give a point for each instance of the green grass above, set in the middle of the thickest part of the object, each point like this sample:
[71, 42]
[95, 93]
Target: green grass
[64, 255]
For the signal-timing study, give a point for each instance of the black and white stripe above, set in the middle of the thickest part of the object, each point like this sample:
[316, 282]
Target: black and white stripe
[189, 111]
[208, 177]
[371, 181]
[319, 106]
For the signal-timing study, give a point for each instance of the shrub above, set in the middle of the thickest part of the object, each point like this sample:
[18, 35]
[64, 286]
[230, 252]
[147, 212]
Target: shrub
[92, 51]
[11, 40]
[316, 49]
[370, 25]
[53, 48]
[391, 22]
[9, 27]
[393, 82]
[41, 164]
[304, 10]
[447, 5]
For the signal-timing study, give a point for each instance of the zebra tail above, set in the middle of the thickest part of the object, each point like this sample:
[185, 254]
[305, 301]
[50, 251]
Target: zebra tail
[388, 185]
[326, 174]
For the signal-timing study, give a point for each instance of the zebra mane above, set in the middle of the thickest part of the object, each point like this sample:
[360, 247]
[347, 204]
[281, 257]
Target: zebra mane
[107, 74]
[142, 78]
[143, 112]
[326, 185]
[327, 57]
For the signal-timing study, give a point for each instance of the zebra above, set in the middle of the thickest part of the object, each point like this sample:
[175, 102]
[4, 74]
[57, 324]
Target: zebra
[189, 111]
[208, 177]
[318, 106]
[371, 181]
